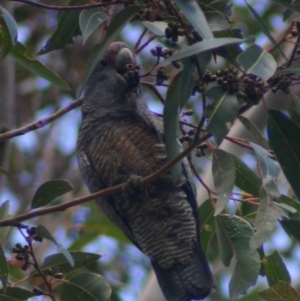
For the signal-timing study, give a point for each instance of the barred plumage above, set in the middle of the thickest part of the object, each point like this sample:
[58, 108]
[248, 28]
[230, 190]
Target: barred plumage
[120, 138]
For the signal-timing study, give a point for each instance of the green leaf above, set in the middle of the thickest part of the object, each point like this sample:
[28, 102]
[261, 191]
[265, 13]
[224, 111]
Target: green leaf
[217, 21]
[187, 82]
[10, 24]
[285, 208]
[223, 169]
[17, 293]
[84, 286]
[261, 23]
[254, 131]
[42, 231]
[284, 137]
[221, 113]
[269, 168]
[3, 268]
[49, 191]
[89, 20]
[281, 291]
[208, 225]
[67, 29]
[157, 28]
[238, 233]
[224, 245]
[5, 40]
[7, 298]
[4, 209]
[203, 46]
[246, 179]
[117, 23]
[289, 201]
[5, 172]
[257, 61]
[287, 4]
[20, 55]
[265, 220]
[291, 227]
[275, 269]
[171, 125]
[196, 17]
[204, 58]
[294, 68]
[81, 259]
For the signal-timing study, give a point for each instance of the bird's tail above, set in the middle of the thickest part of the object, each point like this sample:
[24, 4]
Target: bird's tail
[191, 281]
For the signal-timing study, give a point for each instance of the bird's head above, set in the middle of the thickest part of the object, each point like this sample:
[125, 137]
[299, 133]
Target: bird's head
[117, 60]
[114, 76]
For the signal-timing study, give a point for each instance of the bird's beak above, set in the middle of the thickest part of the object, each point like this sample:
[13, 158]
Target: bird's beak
[124, 57]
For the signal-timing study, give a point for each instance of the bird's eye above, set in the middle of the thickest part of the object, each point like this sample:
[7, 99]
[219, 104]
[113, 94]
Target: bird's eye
[103, 62]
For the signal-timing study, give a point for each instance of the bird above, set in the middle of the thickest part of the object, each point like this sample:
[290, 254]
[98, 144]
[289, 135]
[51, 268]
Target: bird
[120, 140]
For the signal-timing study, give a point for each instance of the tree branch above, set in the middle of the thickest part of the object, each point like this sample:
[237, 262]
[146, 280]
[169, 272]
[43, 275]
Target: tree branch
[40, 123]
[111, 190]
[74, 7]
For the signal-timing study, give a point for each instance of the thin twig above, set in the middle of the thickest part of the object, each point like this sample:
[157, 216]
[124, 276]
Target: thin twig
[137, 44]
[193, 168]
[74, 7]
[103, 193]
[154, 90]
[145, 44]
[291, 60]
[40, 123]
[37, 267]
[236, 141]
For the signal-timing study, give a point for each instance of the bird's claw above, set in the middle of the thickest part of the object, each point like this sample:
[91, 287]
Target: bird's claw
[132, 184]
[132, 78]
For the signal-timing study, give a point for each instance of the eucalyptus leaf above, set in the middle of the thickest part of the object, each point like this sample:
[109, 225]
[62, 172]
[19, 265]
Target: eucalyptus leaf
[67, 29]
[281, 291]
[157, 28]
[257, 61]
[196, 17]
[4, 214]
[10, 24]
[42, 231]
[221, 113]
[17, 293]
[84, 286]
[223, 169]
[188, 81]
[254, 131]
[238, 233]
[246, 179]
[171, 127]
[203, 46]
[49, 191]
[265, 220]
[89, 20]
[284, 137]
[19, 53]
[275, 269]
[268, 167]
[81, 259]
[3, 268]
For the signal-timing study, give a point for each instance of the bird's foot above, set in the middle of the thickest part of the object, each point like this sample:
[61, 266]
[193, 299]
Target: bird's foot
[132, 78]
[132, 184]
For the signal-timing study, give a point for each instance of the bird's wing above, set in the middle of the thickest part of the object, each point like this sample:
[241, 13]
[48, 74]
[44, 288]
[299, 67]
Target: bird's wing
[95, 183]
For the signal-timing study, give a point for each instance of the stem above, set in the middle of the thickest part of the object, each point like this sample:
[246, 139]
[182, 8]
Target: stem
[37, 267]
